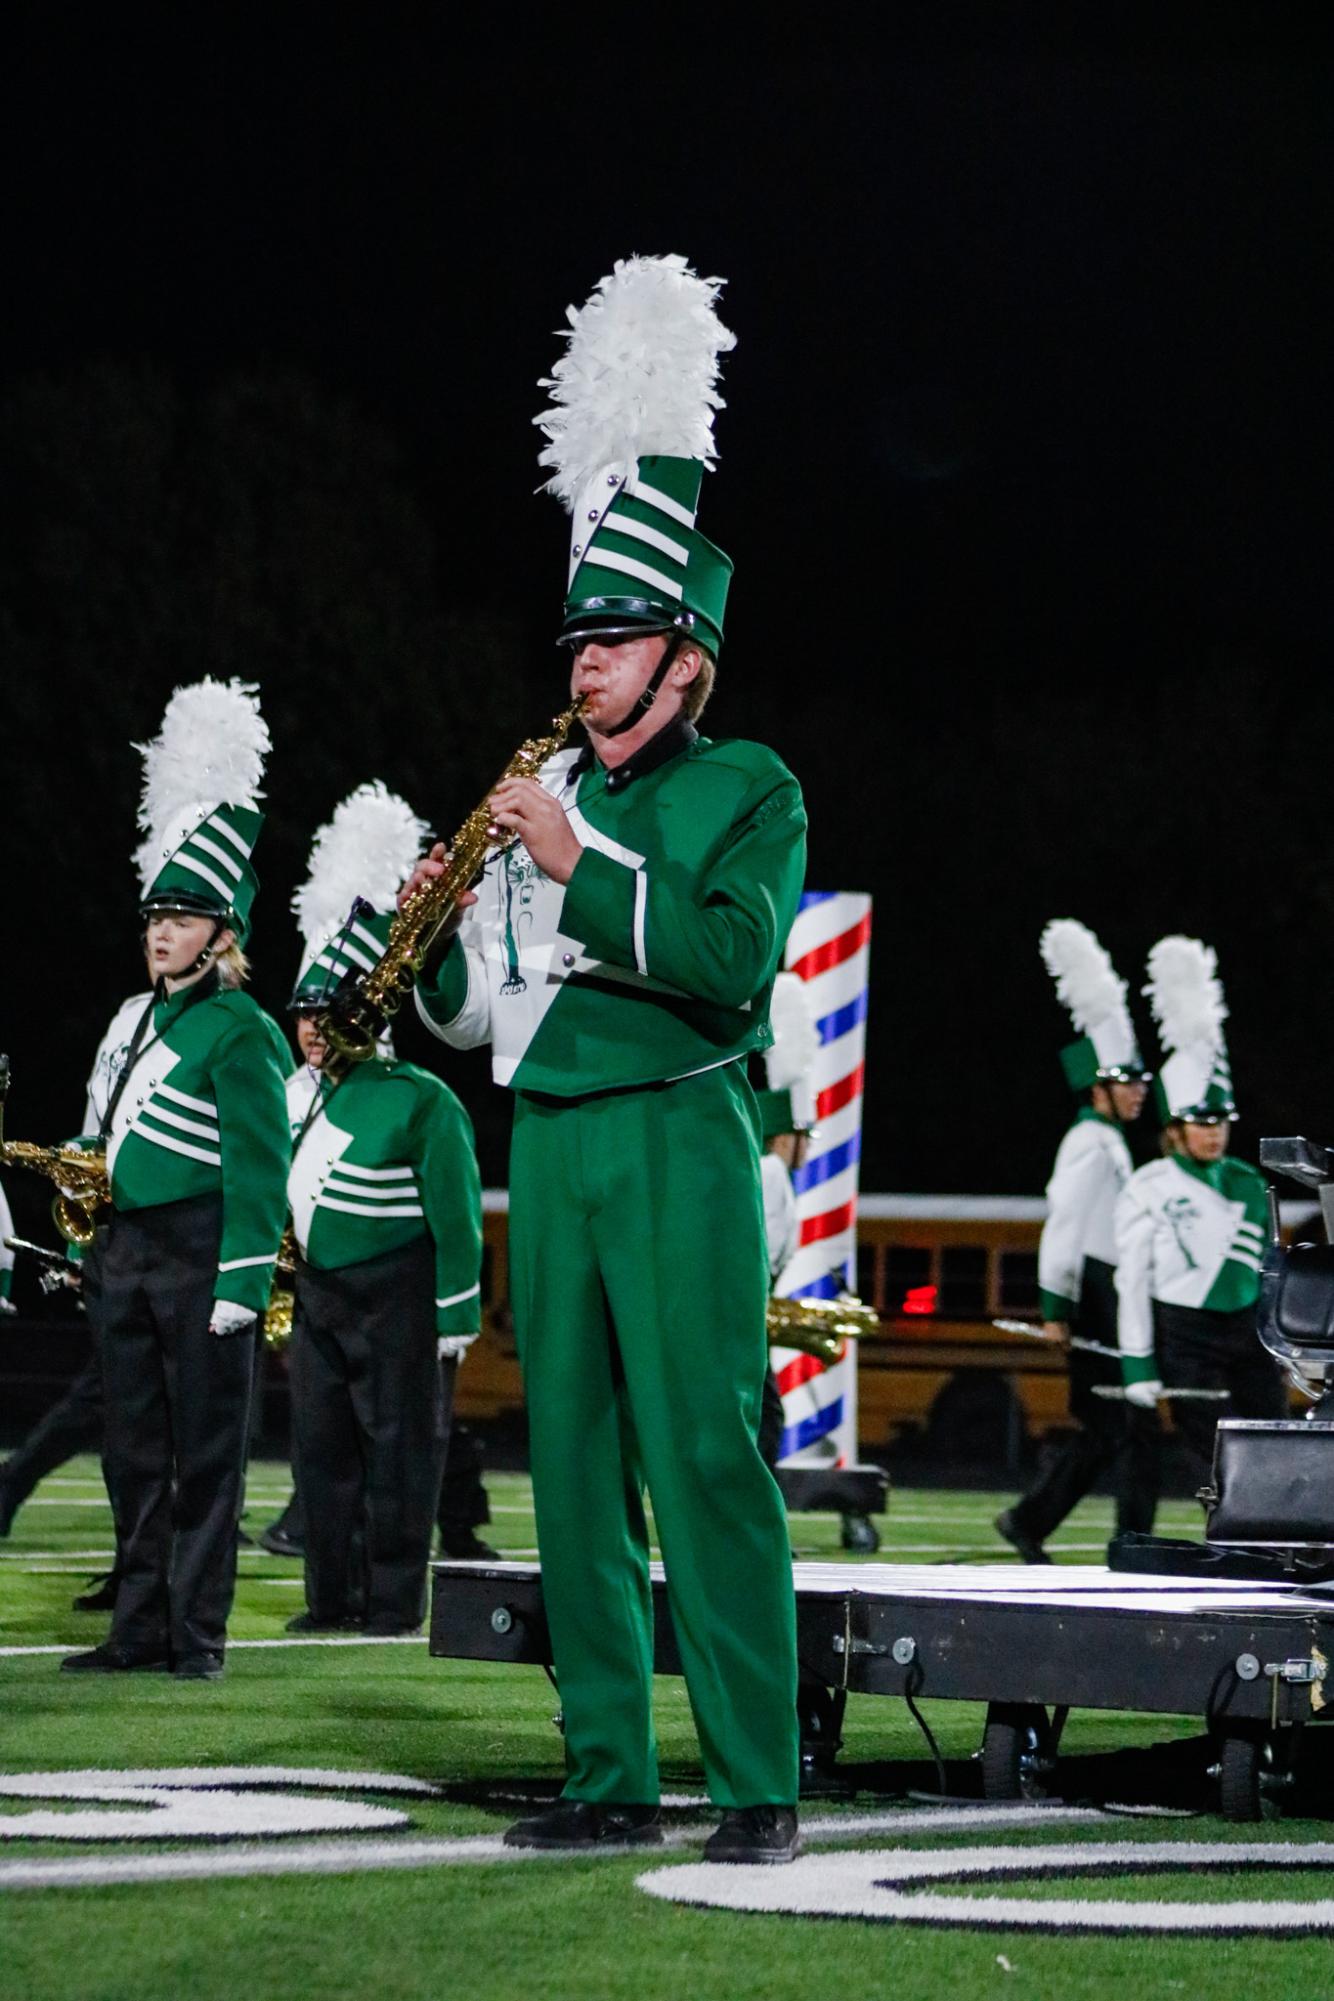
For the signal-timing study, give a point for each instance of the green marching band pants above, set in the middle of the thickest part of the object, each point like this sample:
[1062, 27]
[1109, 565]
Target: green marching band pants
[639, 1279]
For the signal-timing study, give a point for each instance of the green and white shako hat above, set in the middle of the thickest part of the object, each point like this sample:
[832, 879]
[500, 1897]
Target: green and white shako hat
[1106, 1051]
[630, 434]
[358, 862]
[787, 1103]
[1186, 995]
[202, 778]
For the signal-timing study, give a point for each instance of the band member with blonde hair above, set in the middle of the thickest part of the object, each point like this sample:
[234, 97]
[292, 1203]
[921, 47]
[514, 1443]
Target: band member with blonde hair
[197, 1148]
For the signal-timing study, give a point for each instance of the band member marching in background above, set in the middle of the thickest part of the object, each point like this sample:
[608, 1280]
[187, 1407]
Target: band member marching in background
[197, 1146]
[77, 1423]
[620, 962]
[1077, 1250]
[387, 1212]
[1191, 1227]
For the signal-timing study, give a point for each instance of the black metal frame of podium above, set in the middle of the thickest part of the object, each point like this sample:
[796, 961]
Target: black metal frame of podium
[1249, 1660]
[844, 1490]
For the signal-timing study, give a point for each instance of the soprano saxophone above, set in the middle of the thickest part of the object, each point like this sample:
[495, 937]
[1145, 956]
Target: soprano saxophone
[81, 1178]
[361, 1010]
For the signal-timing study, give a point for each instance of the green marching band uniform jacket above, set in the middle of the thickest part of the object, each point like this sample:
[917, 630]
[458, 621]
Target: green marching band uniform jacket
[386, 1160]
[656, 960]
[1188, 1233]
[203, 1113]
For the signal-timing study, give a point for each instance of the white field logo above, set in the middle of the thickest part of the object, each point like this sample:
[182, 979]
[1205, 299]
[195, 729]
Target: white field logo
[209, 1803]
[184, 1824]
[929, 1887]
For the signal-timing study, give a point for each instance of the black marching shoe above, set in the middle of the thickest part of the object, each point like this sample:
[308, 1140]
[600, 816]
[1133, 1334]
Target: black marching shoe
[587, 1824]
[9, 1506]
[110, 1658]
[101, 1595]
[859, 1533]
[1006, 1526]
[755, 1834]
[306, 1622]
[468, 1548]
[278, 1542]
[203, 1666]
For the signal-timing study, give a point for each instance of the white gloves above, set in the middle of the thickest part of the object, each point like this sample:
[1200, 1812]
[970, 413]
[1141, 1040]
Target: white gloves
[228, 1318]
[1144, 1395]
[453, 1347]
[7, 1306]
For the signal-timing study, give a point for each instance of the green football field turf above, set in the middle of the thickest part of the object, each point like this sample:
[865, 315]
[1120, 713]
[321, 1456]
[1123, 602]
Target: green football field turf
[547, 1927]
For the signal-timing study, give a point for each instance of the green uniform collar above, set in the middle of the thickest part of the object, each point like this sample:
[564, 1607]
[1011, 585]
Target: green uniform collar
[165, 1012]
[1210, 1172]
[668, 742]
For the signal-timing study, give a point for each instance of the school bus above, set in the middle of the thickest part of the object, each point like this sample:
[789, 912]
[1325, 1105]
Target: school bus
[940, 1270]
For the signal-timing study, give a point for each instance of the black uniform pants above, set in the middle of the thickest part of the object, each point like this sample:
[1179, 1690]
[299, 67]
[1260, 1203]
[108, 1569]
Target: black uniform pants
[370, 1422]
[74, 1424]
[1197, 1349]
[177, 1411]
[463, 1505]
[1108, 1433]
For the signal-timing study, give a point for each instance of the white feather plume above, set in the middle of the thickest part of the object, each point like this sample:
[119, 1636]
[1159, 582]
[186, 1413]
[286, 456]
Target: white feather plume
[1185, 993]
[639, 375]
[209, 752]
[1086, 980]
[796, 1038]
[366, 849]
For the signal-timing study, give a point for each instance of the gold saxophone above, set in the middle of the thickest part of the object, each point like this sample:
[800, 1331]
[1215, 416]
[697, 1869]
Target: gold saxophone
[361, 1010]
[821, 1327]
[81, 1178]
[282, 1298]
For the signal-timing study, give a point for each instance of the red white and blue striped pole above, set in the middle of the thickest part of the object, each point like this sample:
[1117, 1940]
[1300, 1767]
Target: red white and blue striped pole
[829, 948]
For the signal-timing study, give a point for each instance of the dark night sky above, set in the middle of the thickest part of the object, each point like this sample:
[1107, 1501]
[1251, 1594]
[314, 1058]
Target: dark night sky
[1025, 469]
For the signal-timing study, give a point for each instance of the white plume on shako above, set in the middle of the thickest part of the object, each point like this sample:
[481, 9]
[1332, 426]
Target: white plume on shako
[1185, 993]
[1087, 983]
[365, 850]
[210, 751]
[639, 376]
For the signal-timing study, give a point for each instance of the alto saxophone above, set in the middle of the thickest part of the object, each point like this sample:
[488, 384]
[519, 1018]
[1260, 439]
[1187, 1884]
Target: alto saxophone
[81, 1178]
[361, 1010]
[821, 1327]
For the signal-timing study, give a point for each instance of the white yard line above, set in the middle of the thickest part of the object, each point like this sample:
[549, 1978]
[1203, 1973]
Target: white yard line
[303, 1640]
[341, 1858]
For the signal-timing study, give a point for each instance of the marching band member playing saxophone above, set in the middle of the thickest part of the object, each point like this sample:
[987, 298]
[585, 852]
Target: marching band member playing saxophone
[620, 961]
[197, 1149]
[387, 1212]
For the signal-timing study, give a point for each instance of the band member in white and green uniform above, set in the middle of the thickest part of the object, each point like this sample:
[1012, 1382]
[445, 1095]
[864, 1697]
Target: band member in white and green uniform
[386, 1207]
[1190, 1228]
[1077, 1253]
[620, 960]
[197, 1148]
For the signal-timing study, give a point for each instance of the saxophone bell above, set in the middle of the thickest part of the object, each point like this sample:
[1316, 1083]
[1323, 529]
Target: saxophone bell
[74, 1221]
[80, 1175]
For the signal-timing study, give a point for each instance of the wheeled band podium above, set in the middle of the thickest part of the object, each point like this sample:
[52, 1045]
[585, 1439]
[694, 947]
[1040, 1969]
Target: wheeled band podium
[1249, 1660]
